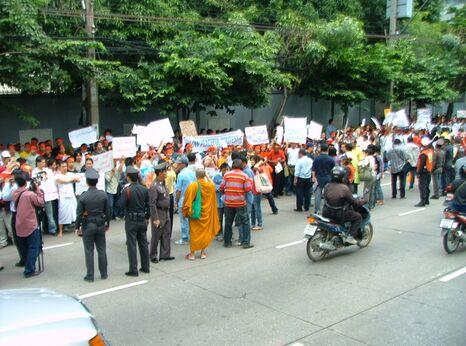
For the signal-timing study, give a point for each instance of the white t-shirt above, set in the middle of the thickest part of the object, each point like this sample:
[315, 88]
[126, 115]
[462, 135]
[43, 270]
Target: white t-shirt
[65, 190]
[292, 156]
[47, 179]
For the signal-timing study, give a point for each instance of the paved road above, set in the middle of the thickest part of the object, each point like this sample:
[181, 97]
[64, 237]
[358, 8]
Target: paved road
[389, 293]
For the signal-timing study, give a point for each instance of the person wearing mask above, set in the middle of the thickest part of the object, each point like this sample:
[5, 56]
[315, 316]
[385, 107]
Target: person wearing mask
[236, 184]
[425, 166]
[397, 158]
[321, 174]
[92, 221]
[339, 204]
[159, 201]
[303, 181]
[27, 225]
[134, 200]
[185, 177]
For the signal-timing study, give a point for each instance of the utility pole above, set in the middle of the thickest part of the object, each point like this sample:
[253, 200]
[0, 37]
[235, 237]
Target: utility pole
[92, 97]
[391, 39]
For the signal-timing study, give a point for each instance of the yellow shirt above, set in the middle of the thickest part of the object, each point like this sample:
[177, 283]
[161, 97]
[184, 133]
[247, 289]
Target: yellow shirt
[170, 181]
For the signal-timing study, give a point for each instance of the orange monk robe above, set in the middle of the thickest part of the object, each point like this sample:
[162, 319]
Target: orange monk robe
[202, 231]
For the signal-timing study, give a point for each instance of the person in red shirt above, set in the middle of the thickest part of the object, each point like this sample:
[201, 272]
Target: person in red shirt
[276, 159]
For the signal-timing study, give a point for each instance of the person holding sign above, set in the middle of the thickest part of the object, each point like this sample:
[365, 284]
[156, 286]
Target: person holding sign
[276, 159]
[67, 201]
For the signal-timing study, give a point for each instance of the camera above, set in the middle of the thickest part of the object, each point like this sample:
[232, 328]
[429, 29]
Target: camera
[34, 183]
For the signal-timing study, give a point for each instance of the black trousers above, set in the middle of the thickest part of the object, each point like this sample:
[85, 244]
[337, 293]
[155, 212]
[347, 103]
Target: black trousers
[21, 252]
[171, 211]
[94, 236]
[278, 183]
[162, 235]
[402, 176]
[341, 217]
[424, 184]
[136, 233]
[303, 193]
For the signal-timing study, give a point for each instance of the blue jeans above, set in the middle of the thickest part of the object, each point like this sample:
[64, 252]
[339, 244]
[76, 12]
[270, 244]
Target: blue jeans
[256, 211]
[184, 222]
[407, 170]
[50, 218]
[318, 199]
[242, 218]
[110, 201]
[271, 200]
[30, 247]
[378, 193]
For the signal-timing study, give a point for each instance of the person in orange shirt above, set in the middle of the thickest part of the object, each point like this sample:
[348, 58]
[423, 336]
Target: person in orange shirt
[276, 159]
[260, 165]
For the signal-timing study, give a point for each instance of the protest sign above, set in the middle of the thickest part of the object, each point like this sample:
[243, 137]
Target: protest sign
[377, 123]
[81, 186]
[87, 135]
[461, 113]
[257, 135]
[388, 119]
[202, 143]
[401, 118]
[153, 134]
[423, 118]
[279, 135]
[161, 129]
[295, 130]
[188, 128]
[124, 146]
[315, 130]
[363, 122]
[103, 162]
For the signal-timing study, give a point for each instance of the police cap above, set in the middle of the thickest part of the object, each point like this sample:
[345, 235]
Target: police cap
[131, 170]
[91, 174]
[160, 167]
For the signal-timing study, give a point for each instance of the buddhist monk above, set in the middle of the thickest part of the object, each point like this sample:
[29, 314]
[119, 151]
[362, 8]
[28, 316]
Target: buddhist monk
[201, 231]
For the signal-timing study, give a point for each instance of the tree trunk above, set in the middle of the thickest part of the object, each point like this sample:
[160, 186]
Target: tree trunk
[449, 110]
[279, 111]
[186, 112]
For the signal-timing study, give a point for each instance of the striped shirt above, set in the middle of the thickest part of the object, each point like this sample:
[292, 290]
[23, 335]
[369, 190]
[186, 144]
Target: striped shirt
[235, 186]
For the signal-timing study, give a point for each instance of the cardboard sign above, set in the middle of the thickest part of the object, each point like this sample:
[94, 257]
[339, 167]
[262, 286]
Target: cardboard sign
[103, 162]
[295, 130]
[202, 143]
[124, 146]
[279, 135]
[188, 128]
[315, 130]
[257, 135]
[81, 186]
[87, 135]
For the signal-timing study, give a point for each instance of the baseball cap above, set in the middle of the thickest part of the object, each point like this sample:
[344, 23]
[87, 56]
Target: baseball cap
[5, 154]
[183, 160]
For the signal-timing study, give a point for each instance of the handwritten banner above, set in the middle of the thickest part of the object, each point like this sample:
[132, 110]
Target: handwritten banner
[188, 128]
[295, 130]
[87, 135]
[124, 146]
[257, 135]
[202, 143]
[103, 162]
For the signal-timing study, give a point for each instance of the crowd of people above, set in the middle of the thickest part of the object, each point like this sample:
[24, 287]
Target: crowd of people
[212, 191]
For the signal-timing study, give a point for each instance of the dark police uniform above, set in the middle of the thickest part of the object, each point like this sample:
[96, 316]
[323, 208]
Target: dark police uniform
[159, 200]
[134, 200]
[93, 216]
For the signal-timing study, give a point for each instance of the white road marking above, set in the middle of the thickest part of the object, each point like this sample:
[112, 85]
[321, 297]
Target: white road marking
[386, 184]
[55, 246]
[113, 289]
[453, 275]
[412, 211]
[290, 244]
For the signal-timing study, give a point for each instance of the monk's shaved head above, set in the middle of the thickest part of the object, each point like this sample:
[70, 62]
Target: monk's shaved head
[200, 174]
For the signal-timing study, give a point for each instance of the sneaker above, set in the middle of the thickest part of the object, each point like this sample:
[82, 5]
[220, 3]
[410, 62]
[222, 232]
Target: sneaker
[350, 240]
[181, 242]
[257, 228]
[247, 246]
[227, 245]
[275, 212]
[237, 243]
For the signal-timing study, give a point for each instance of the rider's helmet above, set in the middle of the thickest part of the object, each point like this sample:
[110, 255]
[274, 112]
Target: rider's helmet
[338, 174]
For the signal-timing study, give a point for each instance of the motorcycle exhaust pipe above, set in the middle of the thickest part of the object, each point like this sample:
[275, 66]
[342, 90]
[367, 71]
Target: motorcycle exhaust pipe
[327, 247]
[461, 235]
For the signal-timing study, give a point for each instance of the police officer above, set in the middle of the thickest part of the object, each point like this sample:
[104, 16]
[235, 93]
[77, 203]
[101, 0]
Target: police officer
[134, 199]
[159, 200]
[93, 220]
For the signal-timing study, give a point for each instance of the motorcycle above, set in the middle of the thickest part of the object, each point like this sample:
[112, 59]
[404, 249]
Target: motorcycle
[453, 232]
[324, 236]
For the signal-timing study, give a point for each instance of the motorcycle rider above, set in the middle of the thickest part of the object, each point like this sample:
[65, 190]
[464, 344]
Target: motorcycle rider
[459, 186]
[339, 202]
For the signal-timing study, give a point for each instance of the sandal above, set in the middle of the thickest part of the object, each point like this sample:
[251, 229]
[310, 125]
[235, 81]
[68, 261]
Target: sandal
[257, 228]
[189, 258]
[203, 255]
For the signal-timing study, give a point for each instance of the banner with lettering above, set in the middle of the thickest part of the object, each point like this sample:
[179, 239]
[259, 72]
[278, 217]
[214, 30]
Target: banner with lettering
[257, 135]
[202, 143]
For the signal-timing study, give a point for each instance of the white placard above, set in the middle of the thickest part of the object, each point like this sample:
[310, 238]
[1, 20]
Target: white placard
[377, 123]
[363, 123]
[279, 135]
[295, 130]
[315, 130]
[124, 146]
[87, 135]
[81, 186]
[162, 128]
[257, 135]
[402, 118]
[202, 143]
[424, 118]
[41, 134]
[461, 113]
[103, 162]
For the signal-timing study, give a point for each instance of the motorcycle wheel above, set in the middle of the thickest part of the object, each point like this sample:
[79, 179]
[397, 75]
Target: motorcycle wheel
[312, 248]
[367, 236]
[450, 242]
